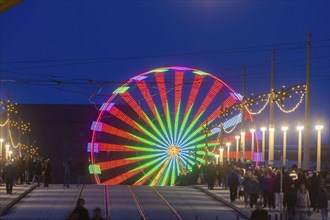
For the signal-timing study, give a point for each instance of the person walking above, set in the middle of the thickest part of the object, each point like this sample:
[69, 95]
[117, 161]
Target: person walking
[210, 173]
[68, 167]
[233, 182]
[303, 203]
[47, 169]
[9, 176]
[290, 197]
[322, 201]
[37, 172]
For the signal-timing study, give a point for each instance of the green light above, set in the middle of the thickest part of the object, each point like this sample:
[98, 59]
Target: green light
[149, 133]
[183, 125]
[143, 157]
[167, 173]
[121, 90]
[200, 73]
[151, 171]
[155, 128]
[149, 163]
[159, 70]
[94, 169]
[144, 140]
[161, 123]
[169, 121]
[192, 125]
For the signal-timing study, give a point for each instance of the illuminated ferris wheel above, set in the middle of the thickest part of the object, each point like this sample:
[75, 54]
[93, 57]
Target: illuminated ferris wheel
[152, 128]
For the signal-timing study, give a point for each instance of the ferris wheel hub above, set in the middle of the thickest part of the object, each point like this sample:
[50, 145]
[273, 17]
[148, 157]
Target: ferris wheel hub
[173, 151]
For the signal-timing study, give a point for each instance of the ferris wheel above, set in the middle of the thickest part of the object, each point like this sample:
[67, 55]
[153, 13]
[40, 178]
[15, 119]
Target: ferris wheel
[158, 124]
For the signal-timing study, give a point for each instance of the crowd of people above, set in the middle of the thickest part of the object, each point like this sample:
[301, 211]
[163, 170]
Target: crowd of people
[25, 170]
[298, 192]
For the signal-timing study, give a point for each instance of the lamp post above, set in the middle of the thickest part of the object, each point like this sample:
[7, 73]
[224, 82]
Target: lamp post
[1, 142]
[263, 129]
[237, 137]
[271, 146]
[319, 128]
[284, 129]
[217, 158]
[10, 154]
[228, 151]
[299, 128]
[252, 130]
[221, 155]
[7, 151]
[243, 147]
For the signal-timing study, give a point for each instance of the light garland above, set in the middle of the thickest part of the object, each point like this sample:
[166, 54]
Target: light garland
[231, 130]
[294, 108]
[5, 123]
[259, 112]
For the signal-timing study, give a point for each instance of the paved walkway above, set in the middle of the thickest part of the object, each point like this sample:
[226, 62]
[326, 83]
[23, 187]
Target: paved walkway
[7, 200]
[239, 204]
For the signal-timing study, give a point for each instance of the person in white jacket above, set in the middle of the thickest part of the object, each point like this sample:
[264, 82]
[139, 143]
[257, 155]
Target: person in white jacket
[303, 203]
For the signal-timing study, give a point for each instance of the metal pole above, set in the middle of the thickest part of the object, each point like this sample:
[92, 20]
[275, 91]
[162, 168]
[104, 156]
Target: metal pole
[318, 154]
[284, 148]
[299, 149]
[242, 147]
[307, 141]
[263, 145]
[271, 114]
[243, 118]
[252, 146]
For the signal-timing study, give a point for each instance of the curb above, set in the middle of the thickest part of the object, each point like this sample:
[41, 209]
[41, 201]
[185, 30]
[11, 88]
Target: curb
[13, 202]
[223, 201]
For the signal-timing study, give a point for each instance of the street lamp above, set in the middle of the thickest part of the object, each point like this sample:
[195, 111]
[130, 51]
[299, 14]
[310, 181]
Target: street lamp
[299, 128]
[216, 158]
[252, 130]
[271, 146]
[221, 155]
[237, 137]
[7, 150]
[1, 142]
[319, 128]
[10, 154]
[263, 129]
[284, 129]
[228, 151]
[243, 147]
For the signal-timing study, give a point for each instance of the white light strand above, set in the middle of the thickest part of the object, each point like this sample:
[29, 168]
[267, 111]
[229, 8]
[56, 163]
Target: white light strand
[4, 124]
[258, 112]
[11, 140]
[294, 108]
[231, 130]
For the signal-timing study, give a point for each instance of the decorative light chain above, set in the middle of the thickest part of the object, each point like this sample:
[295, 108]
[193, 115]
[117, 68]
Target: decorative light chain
[294, 108]
[259, 112]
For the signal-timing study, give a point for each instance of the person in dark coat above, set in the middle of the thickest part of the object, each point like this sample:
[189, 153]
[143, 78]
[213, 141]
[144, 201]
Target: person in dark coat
[322, 201]
[9, 176]
[81, 210]
[233, 182]
[68, 167]
[47, 169]
[259, 213]
[210, 173]
[37, 171]
[290, 197]
[97, 214]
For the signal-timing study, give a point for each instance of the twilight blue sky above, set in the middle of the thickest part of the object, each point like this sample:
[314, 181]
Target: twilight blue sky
[64, 51]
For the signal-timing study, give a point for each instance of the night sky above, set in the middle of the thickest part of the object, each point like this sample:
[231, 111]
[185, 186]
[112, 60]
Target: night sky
[78, 52]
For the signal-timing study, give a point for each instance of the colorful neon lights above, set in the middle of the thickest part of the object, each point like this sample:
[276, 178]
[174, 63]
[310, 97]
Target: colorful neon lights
[151, 129]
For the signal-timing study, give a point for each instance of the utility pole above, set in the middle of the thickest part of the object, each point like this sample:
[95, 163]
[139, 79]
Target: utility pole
[243, 118]
[271, 114]
[307, 141]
